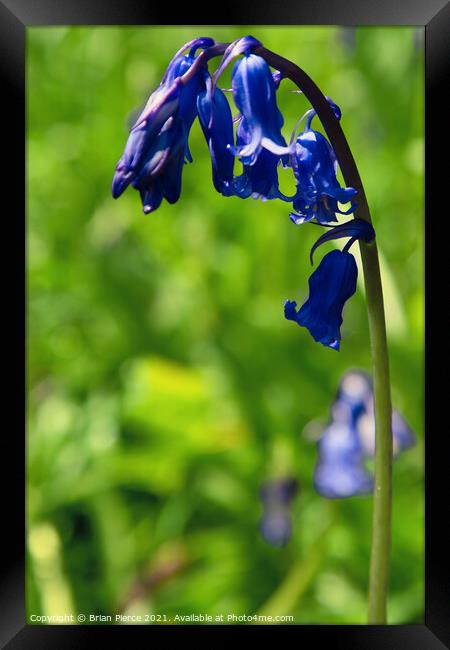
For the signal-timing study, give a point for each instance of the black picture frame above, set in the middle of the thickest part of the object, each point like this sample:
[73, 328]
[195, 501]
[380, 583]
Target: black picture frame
[15, 17]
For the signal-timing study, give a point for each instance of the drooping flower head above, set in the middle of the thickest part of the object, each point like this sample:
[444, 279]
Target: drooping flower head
[315, 167]
[157, 147]
[277, 496]
[331, 285]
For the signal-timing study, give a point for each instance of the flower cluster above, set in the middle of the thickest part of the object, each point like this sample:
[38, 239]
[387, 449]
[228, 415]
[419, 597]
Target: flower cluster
[157, 146]
[277, 496]
[349, 440]
[157, 149]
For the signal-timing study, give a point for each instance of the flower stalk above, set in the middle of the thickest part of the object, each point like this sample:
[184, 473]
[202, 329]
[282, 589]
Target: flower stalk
[382, 508]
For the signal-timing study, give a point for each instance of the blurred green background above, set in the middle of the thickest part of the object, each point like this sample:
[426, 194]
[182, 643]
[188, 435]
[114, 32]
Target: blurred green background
[164, 384]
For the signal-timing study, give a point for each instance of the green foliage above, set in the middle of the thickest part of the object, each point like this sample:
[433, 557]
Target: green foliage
[165, 384]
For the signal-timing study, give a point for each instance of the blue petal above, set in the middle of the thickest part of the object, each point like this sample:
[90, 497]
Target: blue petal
[300, 219]
[290, 310]
[254, 93]
[260, 172]
[217, 124]
[151, 196]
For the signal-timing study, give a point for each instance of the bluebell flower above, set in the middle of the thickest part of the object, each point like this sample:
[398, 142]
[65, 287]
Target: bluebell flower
[254, 93]
[340, 471]
[157, 146]
[354, 406]
[315, 167]
[350, 438]
[217, 124]
[277, 496]
[331, 284]
[259, 142]
[160, 175]
[402, 436]
[260, 178]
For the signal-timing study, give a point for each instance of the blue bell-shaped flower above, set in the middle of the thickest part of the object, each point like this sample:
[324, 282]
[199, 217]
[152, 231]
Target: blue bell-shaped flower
[330, 286]
[254, 93]
[315, 167]
[156, 148]
[217, 124]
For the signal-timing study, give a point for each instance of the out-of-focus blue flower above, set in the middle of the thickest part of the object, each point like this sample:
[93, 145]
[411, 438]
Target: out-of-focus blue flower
[340, 471]
[350, 438]
[277, 496]
[315, 167]
[331, 284]
[353, 396]
[157, 147]
[276, 527]
[217, 124]
[402, 435]
[354, 405]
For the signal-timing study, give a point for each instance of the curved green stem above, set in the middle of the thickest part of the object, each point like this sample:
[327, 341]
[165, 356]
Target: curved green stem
[381, 531]
[382, 507]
